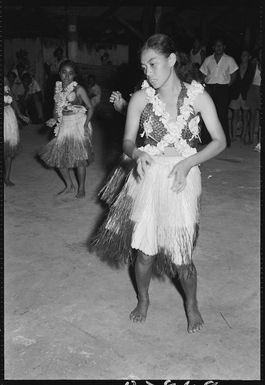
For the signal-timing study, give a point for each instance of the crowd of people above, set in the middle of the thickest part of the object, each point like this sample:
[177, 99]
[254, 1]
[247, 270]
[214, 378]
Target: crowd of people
[154, 201]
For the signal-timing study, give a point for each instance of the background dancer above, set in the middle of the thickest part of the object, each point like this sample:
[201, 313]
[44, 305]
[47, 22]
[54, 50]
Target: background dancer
[72, 146]
[11, 131]
[157, 210]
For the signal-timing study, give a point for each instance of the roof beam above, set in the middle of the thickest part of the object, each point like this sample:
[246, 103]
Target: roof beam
[127, 25]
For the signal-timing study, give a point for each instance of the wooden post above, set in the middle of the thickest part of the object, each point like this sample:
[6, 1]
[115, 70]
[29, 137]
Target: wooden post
[148, 21]
[158, 13]
[72, 35]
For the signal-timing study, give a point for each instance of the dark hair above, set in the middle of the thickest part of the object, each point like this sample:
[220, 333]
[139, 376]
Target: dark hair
[78, 76]
[69, 63]
[58, 49]
[186, 70]
[220, 39]
[11, 72]
[26, 75]
[161, 43]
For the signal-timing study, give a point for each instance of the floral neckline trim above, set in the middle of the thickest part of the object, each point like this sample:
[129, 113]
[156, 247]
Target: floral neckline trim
[173, 128]
[63, 98]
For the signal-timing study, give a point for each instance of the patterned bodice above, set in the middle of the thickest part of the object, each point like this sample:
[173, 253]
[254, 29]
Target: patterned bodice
[160, 132]
[66, 102]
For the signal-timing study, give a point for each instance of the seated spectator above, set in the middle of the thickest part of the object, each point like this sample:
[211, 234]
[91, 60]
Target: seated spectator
[11, 77]
[197, 53]
[32, 100]
[18, 88]
[105, 59]
[93, 90]
[51, 70]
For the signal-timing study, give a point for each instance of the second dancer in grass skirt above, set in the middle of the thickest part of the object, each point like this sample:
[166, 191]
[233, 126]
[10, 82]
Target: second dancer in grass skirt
[11, 131]
[72, 145]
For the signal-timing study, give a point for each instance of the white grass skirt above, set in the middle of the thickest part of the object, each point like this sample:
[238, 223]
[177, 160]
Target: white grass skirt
[148, 216]
[11, 132]
[72, 147]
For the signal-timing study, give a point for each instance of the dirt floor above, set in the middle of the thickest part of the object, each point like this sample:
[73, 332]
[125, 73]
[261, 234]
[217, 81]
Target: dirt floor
[66, 312]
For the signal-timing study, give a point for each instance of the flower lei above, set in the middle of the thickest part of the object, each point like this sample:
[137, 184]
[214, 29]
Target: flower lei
[174, 129]
[63, 98]
[7, 97]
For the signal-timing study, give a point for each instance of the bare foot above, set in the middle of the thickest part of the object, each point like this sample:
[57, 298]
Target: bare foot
[139, 313]
[80, 194]
[195, 321]
[66, 190]
[9, 183]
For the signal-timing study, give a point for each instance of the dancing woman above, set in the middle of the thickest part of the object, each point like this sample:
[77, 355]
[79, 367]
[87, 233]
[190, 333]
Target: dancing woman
[71, 147]
[11, 131]
[157, 210]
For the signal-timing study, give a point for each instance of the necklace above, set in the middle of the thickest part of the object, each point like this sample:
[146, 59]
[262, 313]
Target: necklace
[62, 98]
[174, 129]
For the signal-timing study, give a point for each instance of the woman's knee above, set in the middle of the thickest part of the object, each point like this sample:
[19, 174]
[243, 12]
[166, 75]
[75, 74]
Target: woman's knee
[145, 259]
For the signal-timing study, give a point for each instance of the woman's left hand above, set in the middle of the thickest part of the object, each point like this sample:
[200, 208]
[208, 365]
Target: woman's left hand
[88, 129]
[24, 118]
[179, 174]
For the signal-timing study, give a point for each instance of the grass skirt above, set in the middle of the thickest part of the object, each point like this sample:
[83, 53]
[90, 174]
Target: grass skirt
[72, 146]
[11, 132]
[148, 216]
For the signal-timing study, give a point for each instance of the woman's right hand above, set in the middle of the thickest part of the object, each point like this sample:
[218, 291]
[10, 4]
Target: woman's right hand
[24, 118]
[51, 122]
[143, 161]
[117, 100]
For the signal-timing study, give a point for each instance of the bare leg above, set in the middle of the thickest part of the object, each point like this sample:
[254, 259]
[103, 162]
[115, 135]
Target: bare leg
[253, 119]
[189, 285]
[255, 126]
[8, 163]
[258, 128]
[69, 186]
[235, 119]
[143, 272]
[245, 124]
[81, 174]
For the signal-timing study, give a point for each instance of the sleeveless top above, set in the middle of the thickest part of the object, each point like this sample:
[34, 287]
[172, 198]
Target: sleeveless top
[65, 102]
[161, 132]
[66, 99]
[196, 58]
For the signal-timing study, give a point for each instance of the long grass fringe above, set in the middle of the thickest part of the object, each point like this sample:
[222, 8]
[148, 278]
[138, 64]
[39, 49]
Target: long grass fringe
[11, 151]
[116, 180]
[68, 153]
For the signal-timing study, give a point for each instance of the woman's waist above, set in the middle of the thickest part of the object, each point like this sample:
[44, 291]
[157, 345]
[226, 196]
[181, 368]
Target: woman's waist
[74, 115]
[8, 107]
[73, 110]
[171, 151]
[183, 150]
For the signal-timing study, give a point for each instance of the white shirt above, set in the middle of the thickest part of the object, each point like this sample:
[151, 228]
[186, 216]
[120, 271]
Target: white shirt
[218, 73]
[257, 78]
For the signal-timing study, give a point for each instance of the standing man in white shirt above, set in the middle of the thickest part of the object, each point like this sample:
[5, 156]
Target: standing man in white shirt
[219, 72]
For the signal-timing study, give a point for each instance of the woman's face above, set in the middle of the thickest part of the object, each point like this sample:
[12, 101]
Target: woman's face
[219, 47]
[67, 75]
[244, 56]
[157, 68]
